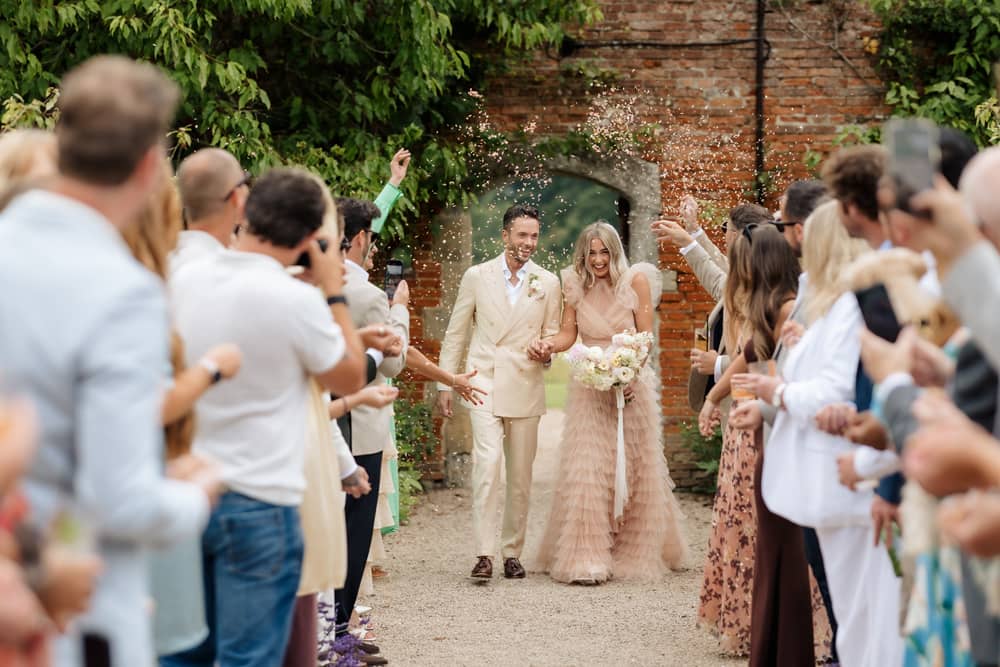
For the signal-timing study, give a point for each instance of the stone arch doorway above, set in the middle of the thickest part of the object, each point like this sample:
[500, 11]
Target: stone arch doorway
[636, 186]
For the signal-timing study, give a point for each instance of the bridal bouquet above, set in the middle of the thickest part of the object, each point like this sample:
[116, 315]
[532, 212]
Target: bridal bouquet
[614, 366]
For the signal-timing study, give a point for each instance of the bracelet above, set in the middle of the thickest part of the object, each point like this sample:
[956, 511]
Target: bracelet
[336, 298]
[347, 408]
[453, 381]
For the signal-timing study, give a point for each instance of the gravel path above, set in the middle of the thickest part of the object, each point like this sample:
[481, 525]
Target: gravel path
[427, 611]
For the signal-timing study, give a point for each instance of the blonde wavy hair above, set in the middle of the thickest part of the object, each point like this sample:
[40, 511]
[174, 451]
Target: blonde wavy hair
[827, 252]
[608, 235]
[154, 234]
[23, 154]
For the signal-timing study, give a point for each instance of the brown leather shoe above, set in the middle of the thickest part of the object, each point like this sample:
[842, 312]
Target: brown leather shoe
[512, 568]
[483, 568]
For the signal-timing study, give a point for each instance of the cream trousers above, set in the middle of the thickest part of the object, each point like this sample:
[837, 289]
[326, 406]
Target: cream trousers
[496, 440]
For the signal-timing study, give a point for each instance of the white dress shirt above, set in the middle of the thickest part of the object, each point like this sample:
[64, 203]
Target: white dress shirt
[514, 291]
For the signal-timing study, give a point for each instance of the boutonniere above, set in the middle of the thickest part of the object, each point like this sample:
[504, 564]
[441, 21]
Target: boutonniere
[535, 287]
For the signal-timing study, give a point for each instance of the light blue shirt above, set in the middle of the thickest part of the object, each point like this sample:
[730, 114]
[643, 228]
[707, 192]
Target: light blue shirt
[83, 334]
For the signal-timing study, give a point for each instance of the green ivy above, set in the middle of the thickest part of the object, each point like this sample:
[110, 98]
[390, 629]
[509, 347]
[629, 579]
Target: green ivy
[334, 85]
[707, 452]
[936, 58]
[415, 442]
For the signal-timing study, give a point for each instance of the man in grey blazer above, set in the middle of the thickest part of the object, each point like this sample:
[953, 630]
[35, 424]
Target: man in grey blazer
[83, 332]
[369, 428]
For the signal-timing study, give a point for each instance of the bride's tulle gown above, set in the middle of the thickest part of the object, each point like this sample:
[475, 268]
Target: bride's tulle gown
[582, 542]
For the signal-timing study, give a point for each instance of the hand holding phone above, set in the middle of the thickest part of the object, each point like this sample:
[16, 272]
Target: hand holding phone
[304, 260]
[393, 276]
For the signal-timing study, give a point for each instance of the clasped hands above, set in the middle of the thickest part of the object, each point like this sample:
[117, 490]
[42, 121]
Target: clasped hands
[541, 351]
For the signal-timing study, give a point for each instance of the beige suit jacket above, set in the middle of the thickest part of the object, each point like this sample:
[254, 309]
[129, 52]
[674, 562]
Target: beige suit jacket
[710, 267]
[370, 427]
[497, 335]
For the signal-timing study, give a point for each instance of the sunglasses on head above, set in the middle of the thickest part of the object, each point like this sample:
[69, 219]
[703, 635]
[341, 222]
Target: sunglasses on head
[748, 231]
[243, 181]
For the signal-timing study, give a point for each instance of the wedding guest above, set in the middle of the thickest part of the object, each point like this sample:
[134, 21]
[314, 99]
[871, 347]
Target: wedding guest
[255, 424]
[213, 189]
[799, 200]
[727, 582]
[175, 573]
[98, 384]
[787, 610]
[799, 480]
[586, 540]
[369, 428]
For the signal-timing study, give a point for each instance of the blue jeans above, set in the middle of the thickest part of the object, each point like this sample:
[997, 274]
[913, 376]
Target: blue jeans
[252, 557]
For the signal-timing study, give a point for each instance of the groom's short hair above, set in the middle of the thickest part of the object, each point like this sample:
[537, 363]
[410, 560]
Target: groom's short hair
[520, 211]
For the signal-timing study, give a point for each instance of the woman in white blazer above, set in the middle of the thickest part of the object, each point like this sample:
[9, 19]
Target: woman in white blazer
[800, 480]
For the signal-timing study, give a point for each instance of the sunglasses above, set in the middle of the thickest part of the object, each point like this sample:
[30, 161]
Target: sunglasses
[243, 181]
[782, 224]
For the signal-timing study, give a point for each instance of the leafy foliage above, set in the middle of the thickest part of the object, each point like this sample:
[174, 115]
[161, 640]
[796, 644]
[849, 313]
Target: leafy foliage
[936, 57]
[335, 85]
[707, 452]
[415, 442]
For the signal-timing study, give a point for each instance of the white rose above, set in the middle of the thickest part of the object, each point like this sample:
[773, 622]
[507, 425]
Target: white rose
[595, 354]
[624, 375]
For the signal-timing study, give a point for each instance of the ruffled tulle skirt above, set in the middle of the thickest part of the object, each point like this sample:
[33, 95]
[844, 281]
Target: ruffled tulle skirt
[582, 540]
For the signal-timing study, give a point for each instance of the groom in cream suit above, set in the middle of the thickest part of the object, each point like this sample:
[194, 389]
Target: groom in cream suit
[503, 306]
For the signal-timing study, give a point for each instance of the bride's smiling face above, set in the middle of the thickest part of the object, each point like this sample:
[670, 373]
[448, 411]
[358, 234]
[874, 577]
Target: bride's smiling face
[599, 259]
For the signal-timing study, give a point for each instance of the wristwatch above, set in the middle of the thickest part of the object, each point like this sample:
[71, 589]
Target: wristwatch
[777, 400]
[336, 298]
[212, 368]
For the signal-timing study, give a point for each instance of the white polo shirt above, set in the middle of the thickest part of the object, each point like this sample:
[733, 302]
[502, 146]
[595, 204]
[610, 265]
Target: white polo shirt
[255, 423]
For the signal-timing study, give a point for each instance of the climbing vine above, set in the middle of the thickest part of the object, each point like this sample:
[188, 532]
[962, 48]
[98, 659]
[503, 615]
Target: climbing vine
[936, 58]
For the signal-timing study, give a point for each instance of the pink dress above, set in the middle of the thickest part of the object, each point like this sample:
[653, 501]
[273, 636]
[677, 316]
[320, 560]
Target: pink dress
[582, 540]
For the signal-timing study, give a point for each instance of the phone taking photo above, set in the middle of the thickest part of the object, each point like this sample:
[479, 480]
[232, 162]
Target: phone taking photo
[304, 260]
[877, 312]
[914, 156]
[393, 276]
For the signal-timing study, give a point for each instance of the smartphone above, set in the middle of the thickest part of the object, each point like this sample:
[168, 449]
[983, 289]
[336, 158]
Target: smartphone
[914, 156]
[393, 274]
[96, 650]
[304, 260]
[877, 312]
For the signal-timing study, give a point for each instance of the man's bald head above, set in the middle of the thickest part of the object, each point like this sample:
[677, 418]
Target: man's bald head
[980, 186]
[204, 179]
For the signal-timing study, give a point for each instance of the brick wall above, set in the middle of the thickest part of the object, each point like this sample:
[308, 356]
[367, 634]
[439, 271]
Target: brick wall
[704, 99]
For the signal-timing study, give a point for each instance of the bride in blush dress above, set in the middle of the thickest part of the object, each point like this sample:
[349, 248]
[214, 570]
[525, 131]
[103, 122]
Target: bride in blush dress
[583, 542]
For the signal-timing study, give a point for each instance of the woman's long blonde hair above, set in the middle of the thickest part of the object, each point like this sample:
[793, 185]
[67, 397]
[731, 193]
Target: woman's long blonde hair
[608, 235]
[151, 238]
[827, 252]
[154, 234]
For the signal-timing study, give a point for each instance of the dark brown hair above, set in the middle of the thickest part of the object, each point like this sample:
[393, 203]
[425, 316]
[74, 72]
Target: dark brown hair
[774, 279]
[852, 175]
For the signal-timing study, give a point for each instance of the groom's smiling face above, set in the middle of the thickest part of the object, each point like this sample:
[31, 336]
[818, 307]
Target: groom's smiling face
[521, 239]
